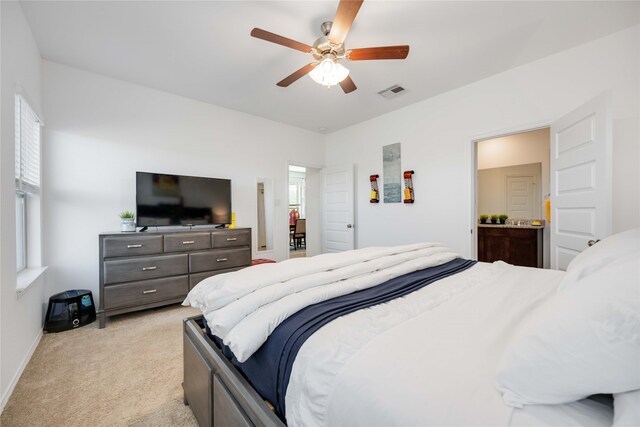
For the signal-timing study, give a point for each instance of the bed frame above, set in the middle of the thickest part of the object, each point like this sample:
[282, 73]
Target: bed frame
[214, 389]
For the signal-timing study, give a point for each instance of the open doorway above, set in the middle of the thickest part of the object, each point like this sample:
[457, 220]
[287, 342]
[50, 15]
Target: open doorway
[305, 210]
[297, 211]
[512, 188]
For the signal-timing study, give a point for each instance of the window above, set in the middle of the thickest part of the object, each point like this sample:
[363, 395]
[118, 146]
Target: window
[21, 230]
[27, 174]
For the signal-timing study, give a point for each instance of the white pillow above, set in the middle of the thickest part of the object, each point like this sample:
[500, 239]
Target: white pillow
[584, 341]
[626, 409]
[604, 252]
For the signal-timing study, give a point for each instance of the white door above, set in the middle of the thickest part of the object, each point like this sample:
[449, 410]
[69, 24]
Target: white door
[337, 230]
[521, 197]
[581, 178]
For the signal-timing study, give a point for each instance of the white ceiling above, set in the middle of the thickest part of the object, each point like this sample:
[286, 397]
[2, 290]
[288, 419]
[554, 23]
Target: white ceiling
[203, 50]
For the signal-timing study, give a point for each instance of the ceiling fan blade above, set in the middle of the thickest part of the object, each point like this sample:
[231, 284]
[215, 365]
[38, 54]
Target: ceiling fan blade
[274, 38]
[297, 74]
[346, 13]
[383, 52]
[348, 85]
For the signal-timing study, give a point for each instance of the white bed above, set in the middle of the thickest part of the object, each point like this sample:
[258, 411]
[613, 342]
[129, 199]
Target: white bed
[429, 358]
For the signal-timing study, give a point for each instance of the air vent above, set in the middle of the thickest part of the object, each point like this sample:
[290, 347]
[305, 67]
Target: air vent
[391, 92]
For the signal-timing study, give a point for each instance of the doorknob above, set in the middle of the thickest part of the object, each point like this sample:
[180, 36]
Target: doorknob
[592, 242]
[349, 226]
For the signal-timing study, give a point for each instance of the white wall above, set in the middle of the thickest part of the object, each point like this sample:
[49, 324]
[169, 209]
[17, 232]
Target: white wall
[518, 149]
[436, 139]
[100, 131]
[20, 316]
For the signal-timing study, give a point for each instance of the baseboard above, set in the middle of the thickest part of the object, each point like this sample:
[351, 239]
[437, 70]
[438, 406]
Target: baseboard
[23, 365]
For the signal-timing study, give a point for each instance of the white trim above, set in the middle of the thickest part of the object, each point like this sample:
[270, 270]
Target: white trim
[21, 368]
[304, 164]
[28, 277]
[473, 185]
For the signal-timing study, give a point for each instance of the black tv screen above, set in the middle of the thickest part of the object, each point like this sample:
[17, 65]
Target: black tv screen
[163, 199]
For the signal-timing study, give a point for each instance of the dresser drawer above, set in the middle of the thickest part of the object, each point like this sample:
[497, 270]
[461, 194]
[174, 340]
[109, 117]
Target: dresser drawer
[146, 291]
[228, 238]
[196, 278]
[187, 242]
[140, 268]
[219, 259]
[128, 246]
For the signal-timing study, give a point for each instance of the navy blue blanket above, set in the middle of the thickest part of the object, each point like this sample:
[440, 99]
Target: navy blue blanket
[268, 369]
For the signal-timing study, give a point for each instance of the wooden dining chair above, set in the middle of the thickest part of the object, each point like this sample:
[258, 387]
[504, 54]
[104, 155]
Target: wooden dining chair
[300, 233]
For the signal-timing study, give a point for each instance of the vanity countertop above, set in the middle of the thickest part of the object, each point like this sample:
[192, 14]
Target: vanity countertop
[528, 226]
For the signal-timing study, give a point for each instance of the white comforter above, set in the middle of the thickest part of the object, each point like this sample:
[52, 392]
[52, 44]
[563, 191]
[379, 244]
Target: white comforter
[243, 308]
[428, 359]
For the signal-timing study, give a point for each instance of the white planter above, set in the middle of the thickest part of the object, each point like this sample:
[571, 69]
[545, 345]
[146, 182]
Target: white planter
[128, 225]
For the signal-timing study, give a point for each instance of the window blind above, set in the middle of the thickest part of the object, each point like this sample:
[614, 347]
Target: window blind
[27, 163]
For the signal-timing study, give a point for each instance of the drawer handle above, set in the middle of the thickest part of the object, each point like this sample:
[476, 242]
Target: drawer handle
[150, 291]
[149, 268]
[188, 242]
[221, 259]
[133, 246]
[231, 239]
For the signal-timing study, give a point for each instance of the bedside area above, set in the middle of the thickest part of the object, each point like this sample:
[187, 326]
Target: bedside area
[515, 244]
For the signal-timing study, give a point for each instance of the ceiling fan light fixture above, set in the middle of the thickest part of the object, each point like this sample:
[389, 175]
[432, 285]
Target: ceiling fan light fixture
[329, 72]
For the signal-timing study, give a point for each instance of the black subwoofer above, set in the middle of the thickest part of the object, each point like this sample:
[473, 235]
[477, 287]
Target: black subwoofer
[69, 310]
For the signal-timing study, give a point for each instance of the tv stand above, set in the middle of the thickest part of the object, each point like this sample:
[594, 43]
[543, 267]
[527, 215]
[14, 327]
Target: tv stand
[160, 267]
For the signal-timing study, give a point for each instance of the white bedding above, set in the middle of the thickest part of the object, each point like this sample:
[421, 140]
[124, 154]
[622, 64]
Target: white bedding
[245, 307]
[428, 358]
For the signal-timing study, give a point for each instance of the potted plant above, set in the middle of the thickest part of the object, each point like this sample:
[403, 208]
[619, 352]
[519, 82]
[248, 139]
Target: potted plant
[494, 219]
[483, 219]
[503, 218]
[128, 221]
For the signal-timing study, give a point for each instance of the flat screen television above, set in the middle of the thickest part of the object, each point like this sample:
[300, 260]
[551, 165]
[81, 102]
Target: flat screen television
[164, 200]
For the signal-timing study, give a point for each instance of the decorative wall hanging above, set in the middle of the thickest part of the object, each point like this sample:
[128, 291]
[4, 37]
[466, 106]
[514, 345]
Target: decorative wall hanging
[375, 194]
[392, 174]
[409, 197]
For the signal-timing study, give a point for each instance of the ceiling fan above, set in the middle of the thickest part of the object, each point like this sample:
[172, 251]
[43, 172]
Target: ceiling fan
[329, 49]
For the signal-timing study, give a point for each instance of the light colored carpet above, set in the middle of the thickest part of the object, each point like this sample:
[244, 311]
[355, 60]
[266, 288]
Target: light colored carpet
[128, 374]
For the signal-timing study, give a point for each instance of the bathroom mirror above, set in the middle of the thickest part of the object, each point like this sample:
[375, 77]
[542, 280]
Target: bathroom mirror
[512, 190]
[264, 224]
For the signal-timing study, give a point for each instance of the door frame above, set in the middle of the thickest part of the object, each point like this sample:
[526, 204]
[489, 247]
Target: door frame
[473, 181]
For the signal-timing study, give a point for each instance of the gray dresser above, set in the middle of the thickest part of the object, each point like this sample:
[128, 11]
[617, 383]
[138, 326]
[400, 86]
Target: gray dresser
[151, 269]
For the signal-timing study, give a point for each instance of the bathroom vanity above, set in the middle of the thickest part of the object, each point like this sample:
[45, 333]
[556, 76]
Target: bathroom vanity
[514, 244]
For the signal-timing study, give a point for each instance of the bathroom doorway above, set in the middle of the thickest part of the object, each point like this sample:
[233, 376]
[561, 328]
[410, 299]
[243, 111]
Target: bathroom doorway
[512, 174]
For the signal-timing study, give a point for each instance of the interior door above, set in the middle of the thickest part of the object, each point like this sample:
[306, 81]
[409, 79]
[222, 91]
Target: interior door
[338, 226]
[581, 187]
